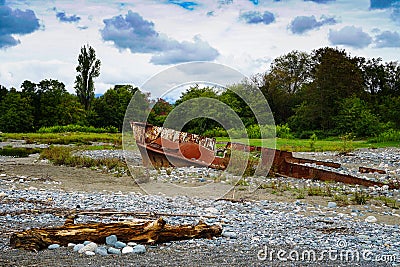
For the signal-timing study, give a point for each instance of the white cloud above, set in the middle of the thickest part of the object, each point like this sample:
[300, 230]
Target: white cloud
[350, 36]
[51, 52]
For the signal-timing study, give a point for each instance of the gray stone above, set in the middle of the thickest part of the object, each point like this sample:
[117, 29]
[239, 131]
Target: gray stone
[229, 234]
[364, 237]
[332, 205]
[87, 242]
[78, 247]
[71, 245]
[371, 219]
[101, 251]
[139, 249]
[90, 253]
[114, 251]
[119, 244]
[53, 246]
[110, 240]
[89, 247]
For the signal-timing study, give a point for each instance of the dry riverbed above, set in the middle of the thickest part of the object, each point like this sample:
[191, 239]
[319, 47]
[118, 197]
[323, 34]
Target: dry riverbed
[268, 219]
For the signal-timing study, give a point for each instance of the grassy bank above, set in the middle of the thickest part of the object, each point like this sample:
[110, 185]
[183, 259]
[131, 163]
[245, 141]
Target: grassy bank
[313, 145]
[64, 138]
[60, 155]
[115, 139]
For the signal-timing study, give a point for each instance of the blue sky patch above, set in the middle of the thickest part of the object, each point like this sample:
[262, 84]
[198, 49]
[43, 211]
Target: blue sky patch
[381, 4]
[184, 4]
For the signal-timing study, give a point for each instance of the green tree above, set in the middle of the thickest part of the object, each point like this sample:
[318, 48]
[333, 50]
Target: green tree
[3, 92]
[197, 125]
[392, 86]
[110, 108]
[15, 113]
[56, 105]
[291, 71]
[389, 111]
[88, 69]
[283, 84]
[159, 112]
[355, 117]
[336, 76]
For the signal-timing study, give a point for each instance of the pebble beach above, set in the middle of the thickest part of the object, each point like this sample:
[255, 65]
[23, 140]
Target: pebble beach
[256, 231]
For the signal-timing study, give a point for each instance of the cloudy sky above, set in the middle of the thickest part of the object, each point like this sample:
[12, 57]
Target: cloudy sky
[137, 39]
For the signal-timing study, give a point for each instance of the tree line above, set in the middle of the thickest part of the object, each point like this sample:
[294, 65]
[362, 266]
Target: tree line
[330, 92]
[327, 92]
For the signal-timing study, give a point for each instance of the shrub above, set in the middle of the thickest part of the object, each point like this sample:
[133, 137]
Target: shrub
[77, 128]
[388, 201]
[387, 136]
[319, 191]
[254, 131]
[59, 155]
[283, 131]
[356, 117]
[216, 132]
[360, 198]
[313, 140]
[341, 199]
[347, 143]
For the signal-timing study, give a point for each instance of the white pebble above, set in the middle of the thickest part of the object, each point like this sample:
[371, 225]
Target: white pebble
[127, 249]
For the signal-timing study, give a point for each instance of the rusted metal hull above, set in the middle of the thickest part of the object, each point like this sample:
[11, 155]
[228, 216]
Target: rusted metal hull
[162, 147]
[156, 158]
[370, 170]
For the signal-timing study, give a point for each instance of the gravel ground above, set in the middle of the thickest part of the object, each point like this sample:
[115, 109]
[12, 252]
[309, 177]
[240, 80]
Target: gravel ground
[255, 232]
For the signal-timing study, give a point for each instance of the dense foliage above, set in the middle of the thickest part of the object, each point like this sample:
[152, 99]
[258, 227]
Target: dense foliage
[323, 93]
[333, 93]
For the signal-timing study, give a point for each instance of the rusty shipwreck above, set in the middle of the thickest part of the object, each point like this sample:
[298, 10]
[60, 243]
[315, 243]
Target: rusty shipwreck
[164, 147]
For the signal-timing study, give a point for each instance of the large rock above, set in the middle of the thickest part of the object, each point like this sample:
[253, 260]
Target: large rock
[111, 240]
[119, 244]
[139, 249]
[114, 251]
[101, 251]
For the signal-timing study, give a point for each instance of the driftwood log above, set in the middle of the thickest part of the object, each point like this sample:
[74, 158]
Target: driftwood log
[148, 232]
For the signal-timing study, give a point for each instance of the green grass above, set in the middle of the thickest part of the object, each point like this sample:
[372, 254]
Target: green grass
[332, 144]
[304, 144]
[65, 138]
[77, 128]
[60, 155]
[18, 152]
